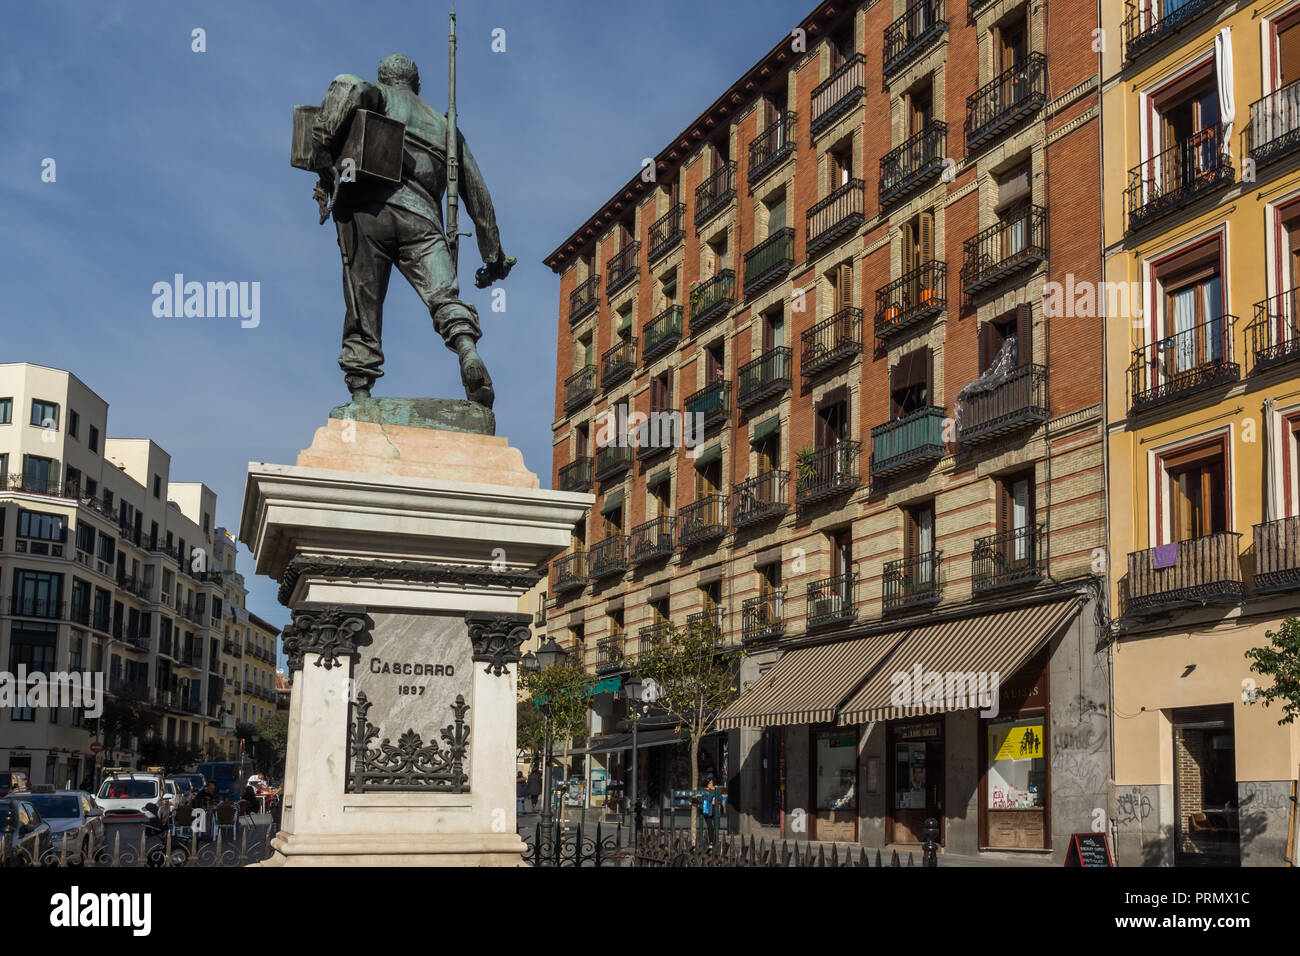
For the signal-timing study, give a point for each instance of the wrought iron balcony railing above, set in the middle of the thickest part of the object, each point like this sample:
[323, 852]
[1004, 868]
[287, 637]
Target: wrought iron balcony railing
[912, 298]
[32, 485]
[612, 459]
[652, 637]
[713, 401]
[134, 689]
[609, 654]
[998, 408]
[1007, 99]
[1017, 242]
[830, 342]
[712, 195]
[1183, 363]
[907, 442]
[1199, 571]
[837, 216]
[770, 147]
[760, 498]
[1275, 124]
[580, 388]
[833, 600]
[762, 617]
[701, 521]
[712, 621]
[617, 363]
[608, 557]
[25, 605]
[569, 573]
[661, 333]
[652, 540]
[577, 474]
[667, 231]
[660, 432]
[1277, 555]
[769, 260]
[836, 96]
[584, 298]
[1178, 175]
[712, 299]
[832, 470]
[1275, 333]
[917, 159]
[913, 581]
[622, 267]
[1008, 558]
[767, 375]
[1149, 22]
[909, 36]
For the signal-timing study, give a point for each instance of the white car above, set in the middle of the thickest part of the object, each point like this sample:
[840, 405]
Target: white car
[144, 792]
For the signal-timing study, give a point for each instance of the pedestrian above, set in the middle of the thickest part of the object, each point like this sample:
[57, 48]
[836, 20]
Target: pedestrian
[521, 791]
[708, 806]
[534, 787]
[207, 798]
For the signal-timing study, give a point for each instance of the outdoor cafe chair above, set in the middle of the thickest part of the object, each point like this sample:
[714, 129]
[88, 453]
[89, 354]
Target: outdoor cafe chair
[227, 816]
[183, 822]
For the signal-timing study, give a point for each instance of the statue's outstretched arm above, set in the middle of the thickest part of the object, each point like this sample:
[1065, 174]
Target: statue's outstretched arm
[478, 203]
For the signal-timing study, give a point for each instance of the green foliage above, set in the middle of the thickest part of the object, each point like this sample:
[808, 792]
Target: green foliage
[531, 727]
[564, 688]
[123, 719]
[267, 755]
[1281, 662]
[173, 758]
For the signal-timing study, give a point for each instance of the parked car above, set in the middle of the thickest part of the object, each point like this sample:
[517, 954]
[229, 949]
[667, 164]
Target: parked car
[14, 781]
[76, 822]
[228, 775]
[184, 791]
[27, 838]
[138, 792]
[196, 781]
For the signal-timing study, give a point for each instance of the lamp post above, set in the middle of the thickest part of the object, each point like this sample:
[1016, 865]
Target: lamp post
[549, 654]
[636, 706]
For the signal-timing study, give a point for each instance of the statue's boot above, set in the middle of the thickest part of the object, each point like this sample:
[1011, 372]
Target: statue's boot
[474, 374]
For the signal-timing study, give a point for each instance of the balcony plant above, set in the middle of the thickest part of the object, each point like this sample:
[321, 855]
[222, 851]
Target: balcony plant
[806, 465]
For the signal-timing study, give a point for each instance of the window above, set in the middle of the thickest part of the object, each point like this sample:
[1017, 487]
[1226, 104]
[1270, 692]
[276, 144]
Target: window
[157, 486]
[31, 646]
[37, 593]
[1192, 297]
[837, 769]
[841, 164]
[42, 526]
[910, 383]
[45, 414]
[708, 478]
[1015, 192]
[92, 440]
[1011, 42]
[40, 475]
[1007, 343]
[918, 540]
[6, 411]
[714, 363]
[831, 425]
[107, 551]
[1196, 483]
[920, 106]
[776, 214]
[658, 499]
[1015, 514]
[74, 423]
[4, 468]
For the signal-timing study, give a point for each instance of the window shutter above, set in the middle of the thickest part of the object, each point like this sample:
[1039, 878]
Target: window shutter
[1024, 335]
[926, 252]
[988, 345]
[843, 286]
[1288, 53]
[909, 247]
[926, 372]
[910, 533]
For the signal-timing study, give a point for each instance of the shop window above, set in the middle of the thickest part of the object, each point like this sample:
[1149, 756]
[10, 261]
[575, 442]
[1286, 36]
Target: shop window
[1196, 483]
[836, 782]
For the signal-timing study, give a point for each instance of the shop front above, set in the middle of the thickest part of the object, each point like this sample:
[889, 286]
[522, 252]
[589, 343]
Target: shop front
[834, 785]
[1015, 789]
[916, 781]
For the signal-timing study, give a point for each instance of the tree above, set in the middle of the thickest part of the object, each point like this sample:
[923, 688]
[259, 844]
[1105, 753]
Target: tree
[530, 735]
[695, 680]
[124, 718]
[173, 758]
[268, 753]
[560, 694]
[1281, 662]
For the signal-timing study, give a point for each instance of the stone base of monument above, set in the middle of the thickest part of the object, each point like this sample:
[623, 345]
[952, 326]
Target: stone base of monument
[402, 550]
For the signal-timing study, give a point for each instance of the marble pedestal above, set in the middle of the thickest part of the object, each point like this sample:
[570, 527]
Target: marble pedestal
[403, 552]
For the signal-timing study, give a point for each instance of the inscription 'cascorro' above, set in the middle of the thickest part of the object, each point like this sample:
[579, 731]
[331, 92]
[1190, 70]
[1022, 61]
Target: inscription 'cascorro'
[411, 668]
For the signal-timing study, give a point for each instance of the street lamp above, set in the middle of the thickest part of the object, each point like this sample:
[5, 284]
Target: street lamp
[634, 693]
[548, 655]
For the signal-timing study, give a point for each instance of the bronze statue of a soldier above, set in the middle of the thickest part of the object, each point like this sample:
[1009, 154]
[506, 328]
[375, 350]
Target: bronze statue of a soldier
[398, 221]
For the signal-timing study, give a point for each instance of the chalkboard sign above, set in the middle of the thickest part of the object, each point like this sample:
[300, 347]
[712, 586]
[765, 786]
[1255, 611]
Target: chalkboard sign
[1089, 849]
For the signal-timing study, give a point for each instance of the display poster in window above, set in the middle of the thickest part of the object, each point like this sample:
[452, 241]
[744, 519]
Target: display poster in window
[1017, 765]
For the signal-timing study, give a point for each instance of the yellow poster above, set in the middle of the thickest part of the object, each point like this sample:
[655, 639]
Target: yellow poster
[1022, 742]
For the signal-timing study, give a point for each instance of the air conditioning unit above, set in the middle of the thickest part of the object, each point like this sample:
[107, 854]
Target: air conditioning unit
[830, 606]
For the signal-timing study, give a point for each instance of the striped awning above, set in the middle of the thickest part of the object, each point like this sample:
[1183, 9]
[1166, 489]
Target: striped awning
[808, 684]
[997, 643]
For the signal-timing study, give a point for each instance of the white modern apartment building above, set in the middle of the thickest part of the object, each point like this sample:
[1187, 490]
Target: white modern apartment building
[108, 565]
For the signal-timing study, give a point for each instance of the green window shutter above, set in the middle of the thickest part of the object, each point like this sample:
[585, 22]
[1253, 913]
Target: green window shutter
[764, 430]
[709, 456]
[612, 502]
[658, 478]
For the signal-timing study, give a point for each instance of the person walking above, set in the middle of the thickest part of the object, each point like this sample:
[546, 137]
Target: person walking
[521, 791]
[534, 787]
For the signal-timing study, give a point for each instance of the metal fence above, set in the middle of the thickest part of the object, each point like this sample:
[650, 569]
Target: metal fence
[134, 845]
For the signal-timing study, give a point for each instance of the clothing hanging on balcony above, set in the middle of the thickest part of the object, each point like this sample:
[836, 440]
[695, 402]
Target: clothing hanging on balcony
[1227, 106]
[1164, 556]
[997, 373]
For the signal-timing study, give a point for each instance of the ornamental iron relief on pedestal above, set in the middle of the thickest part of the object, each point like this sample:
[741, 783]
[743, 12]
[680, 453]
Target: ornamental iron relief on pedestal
[330, 630]
[497, 638]
[410, 765]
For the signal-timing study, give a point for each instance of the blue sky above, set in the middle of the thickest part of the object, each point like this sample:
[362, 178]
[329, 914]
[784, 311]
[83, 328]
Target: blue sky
[174, 161]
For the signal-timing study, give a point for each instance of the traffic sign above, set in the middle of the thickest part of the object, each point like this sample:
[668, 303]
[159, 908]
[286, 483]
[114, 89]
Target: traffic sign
[96, 747]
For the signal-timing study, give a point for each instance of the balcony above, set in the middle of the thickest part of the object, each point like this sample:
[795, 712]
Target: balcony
[31, 485]
[713, 195]
[584, 298]
[912, 298]
[666, 232]
[760, 498]
[577, 474]
[835, 97]
[986, 411]
[621, 268]
[1150, 22]
[1277, 555]
[830, 342]
[828, 471]
[652, 540]
[607, 558]
[911, 34]
[661, 333]
[913, 582]
[22, 605]
[770, 147]
[712, 299]
[907, 442]
[1008, 558]
[833, 600]
[1200, 571]
[580, 388]
[1183, 364]
[909, 165]
[122, 687]
[660, 433]
[837, 216]
[767, 375]
[702, 521]
[617, 363]
[609, 655]
[762, 617]
[1275, 125]
[1178, 175]
[569, 573]
[1006, 100]
[1016, 243]
[612, 459]
[712, 401]
[133, 585]
[711, 621]
[651, 638]
[1275, 333]
[768, 261]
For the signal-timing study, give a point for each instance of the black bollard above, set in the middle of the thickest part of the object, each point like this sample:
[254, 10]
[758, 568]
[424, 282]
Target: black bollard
[930, 850]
